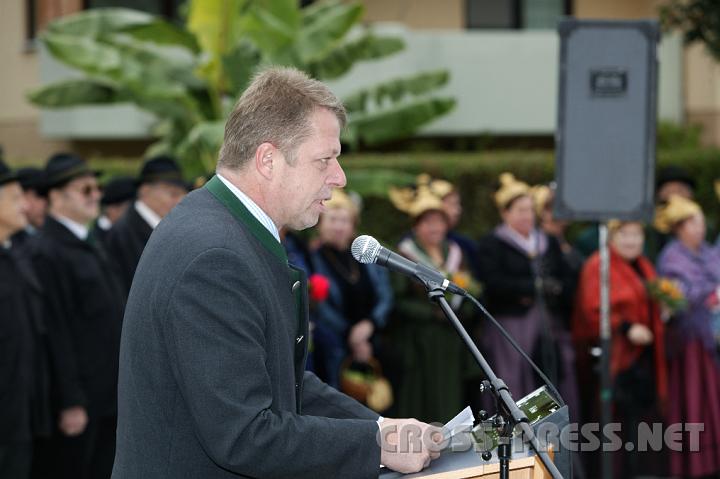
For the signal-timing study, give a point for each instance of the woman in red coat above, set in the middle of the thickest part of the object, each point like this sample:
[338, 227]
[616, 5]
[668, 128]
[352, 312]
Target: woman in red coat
[637, 358]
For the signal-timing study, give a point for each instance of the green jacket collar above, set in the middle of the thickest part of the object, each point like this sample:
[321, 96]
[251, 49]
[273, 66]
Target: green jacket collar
[238, 210]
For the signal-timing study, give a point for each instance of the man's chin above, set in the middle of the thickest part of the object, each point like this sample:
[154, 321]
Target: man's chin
[305, 222]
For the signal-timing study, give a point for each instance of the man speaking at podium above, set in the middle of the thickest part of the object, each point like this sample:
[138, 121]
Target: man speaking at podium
[214, 341]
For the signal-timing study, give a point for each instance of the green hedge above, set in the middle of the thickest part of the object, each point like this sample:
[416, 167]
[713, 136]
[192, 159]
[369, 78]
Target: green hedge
[476, 176]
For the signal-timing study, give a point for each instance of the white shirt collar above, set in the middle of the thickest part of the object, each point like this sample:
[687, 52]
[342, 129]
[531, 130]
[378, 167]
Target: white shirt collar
[529, 243]
[150, 217]
[254, 209]
[80, 231]
[104, 223]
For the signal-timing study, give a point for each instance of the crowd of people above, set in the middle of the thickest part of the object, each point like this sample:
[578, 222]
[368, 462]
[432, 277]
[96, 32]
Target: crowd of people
[69, 250]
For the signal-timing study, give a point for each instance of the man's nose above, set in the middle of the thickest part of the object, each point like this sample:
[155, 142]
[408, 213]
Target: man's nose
[337, 178]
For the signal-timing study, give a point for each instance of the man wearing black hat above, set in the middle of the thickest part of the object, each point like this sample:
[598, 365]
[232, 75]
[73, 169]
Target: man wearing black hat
[32, 181]
[24, 414]
[161, 187]
[118, 193]
[85, 308]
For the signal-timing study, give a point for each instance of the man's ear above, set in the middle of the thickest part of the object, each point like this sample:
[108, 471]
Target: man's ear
[265, 156]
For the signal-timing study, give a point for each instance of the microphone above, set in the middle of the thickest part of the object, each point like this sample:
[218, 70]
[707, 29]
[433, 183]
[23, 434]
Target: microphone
[366, 250]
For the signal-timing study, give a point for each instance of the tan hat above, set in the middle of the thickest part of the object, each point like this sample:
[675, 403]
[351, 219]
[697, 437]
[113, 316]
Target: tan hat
[510, 189]
[675, 210]
[541, 195]
[415, 201]
[441, 188]
[342, 201]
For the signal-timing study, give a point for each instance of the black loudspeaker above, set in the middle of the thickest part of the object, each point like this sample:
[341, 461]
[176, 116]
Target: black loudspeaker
[607, 112]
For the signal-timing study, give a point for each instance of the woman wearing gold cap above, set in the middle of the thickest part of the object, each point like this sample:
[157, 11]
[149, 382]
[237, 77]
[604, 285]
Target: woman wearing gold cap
[359, 299]
[694, 364]
[637, 352]
[526, 285]
[433, 362]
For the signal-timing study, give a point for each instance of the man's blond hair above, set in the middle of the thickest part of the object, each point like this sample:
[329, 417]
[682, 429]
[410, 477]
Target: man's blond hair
[275, 108]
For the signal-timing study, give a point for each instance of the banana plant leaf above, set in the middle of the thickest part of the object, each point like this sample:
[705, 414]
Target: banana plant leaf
[76, 92]
[203, 144]
[96, 22]
[164, 33]
[216, 24]
[341, 59]
[272, 30]
[395, 90]
[318, 38]
[396, 122]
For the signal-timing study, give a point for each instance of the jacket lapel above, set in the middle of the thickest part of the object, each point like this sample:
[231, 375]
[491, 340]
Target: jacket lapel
[298, 278]
[238, 210]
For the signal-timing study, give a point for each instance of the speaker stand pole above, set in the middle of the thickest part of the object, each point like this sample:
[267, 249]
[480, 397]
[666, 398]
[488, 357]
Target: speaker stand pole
[605, 380]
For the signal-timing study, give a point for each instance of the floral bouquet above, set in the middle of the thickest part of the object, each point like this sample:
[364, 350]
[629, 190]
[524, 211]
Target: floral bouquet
[667, 292]
[464, 280]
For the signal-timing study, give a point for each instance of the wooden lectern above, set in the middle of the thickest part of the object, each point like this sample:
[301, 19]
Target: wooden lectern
[469, 465]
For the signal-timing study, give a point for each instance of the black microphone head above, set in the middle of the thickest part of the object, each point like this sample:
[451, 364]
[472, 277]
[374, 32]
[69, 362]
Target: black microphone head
[365, 249]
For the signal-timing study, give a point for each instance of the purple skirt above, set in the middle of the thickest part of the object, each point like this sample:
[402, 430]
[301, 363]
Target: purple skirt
[514, 370]
[694, 397]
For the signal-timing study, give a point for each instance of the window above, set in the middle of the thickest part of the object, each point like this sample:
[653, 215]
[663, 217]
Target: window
[39, 13]
[515, 14]
[168, 8]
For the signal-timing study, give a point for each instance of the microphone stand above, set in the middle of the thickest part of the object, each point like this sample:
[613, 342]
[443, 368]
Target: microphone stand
[510, 413]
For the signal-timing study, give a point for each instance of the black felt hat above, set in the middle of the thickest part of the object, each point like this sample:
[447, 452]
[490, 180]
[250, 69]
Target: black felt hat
[32, 178]
[6, 174]
[62, 168]
[118, 190]
[162, 168]
[674, 173]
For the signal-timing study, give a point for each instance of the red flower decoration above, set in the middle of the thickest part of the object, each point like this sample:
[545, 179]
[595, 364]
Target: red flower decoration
[319, 287]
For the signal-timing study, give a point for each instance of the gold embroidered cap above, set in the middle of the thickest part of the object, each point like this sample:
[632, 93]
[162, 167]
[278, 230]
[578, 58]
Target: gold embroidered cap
[440, 188]
[510, 189]
[342, 201]
[415, 201]
[541, 195]
[675, 210]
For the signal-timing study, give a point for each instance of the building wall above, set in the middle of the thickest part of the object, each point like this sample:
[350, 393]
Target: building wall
[702, 92]
[19, 120]
[616, 9]
[699, 80]
[418, 14]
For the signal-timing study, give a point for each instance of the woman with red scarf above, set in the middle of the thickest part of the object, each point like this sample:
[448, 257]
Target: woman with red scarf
[637, 359]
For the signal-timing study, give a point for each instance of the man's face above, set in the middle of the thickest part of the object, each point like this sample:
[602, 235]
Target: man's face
[13, 208]
[299, 190]
[115, 211]
[79, 200]
[37, 208]
[161, 196]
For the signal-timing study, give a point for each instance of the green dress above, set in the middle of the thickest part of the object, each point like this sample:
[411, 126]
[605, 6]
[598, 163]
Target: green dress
[435, 368]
